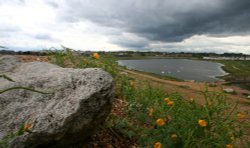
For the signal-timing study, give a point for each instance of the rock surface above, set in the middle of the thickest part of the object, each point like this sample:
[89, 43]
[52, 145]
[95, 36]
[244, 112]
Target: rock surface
[79, 101]
[8, 63]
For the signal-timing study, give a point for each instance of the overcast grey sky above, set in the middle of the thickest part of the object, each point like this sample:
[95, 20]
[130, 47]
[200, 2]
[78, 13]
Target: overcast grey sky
[145, 25]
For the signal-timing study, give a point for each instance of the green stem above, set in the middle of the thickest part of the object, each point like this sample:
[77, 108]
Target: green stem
[25, 88]
[231, 111]
[6, 77]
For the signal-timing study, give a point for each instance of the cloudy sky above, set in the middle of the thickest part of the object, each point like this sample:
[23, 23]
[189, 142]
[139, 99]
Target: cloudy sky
[144, 25]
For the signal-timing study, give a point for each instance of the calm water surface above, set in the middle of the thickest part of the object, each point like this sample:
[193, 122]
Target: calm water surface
[179, 68]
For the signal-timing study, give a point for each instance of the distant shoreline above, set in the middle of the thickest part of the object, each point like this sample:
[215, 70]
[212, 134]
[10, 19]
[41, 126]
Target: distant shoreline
[236, 71]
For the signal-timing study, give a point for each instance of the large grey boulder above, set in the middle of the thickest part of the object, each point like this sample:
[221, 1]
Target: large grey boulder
[79, 101]
[8, 63]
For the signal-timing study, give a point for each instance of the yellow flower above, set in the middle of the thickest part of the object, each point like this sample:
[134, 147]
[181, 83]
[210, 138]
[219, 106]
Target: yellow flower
[240, 115]
[96, 55]
[229, 146]
[160, 122]
[27, 127]
[157, 145]
[202, 123]
[173, 137]
[150, 112]
[166, 100]
[170, 103]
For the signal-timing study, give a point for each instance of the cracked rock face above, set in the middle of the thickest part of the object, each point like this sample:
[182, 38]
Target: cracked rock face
[78, 100]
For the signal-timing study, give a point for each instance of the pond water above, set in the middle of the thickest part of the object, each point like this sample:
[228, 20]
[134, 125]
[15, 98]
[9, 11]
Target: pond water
[184, 69]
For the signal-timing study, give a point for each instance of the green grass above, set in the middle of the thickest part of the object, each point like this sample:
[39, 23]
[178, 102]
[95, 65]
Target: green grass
[239, 72]
[181, 118]
[236, 68]
[146, 104]
[4, 142]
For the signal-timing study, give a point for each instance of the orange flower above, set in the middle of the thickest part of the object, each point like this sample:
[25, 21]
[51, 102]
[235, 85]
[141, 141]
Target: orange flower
[170, 103]
[150, 112]
[240, 115]
[229, 146]
[166, 100]
[173, 137]
[27, 127]
[202, 123]
[96, 55]
[157, 145]
[160, 122]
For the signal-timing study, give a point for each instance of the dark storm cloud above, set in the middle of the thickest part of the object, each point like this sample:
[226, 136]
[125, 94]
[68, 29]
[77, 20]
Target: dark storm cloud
[130, 44]
[167, 21]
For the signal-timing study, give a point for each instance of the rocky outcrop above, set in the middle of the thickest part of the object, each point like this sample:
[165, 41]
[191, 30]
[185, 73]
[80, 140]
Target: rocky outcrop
[78, 100]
